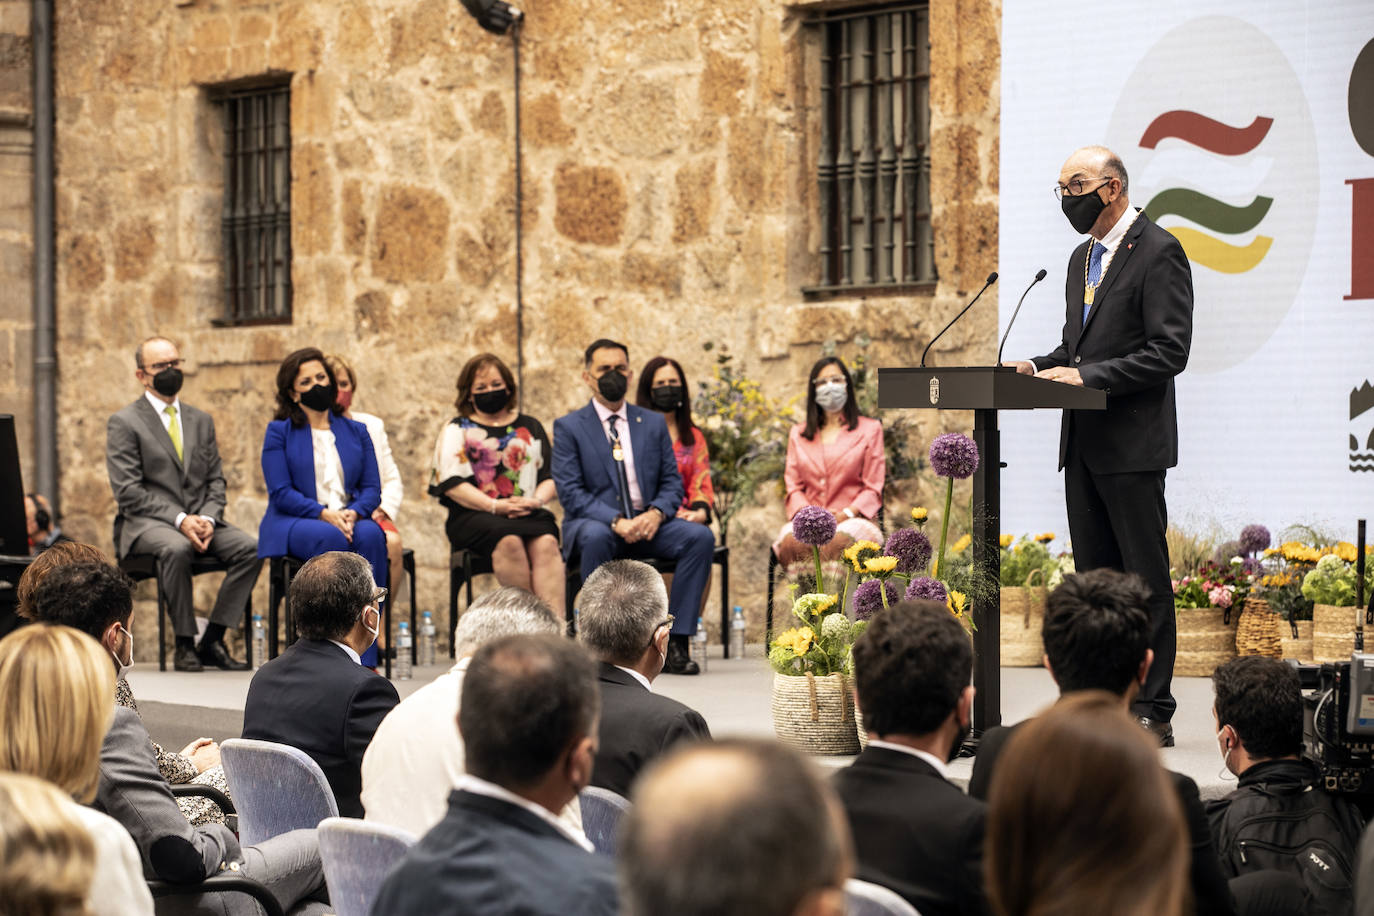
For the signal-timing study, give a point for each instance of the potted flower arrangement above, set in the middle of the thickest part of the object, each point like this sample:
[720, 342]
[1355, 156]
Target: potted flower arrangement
[1204, 602]
[1026, 568]
[1331, 586]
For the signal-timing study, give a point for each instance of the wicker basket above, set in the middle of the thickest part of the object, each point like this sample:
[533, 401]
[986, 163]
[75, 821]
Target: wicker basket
[1260, 630]
[1023, 613]
[859, 727]
[1206, 639]
[1298, 648]
[1333, 633]
[815, 715]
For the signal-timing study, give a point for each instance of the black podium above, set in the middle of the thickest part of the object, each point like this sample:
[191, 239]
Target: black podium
[984, 390]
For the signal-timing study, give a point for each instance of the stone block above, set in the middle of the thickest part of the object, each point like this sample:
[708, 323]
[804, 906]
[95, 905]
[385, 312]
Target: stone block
[442, 122]
[422, 33]
[373, 309]
[379, 100]
[252, 29]
[589, 203]
[298, 41]
[410, 238]
[562, 63]
[355, 154]
[81, 262]
[354, 219]
[314, 104]
[313, 198]
[695, 185]
[642, 117]
[490, 116]
[543, 122]
[410, 157]
[475, 261]
[645, 272]
[724, 81]
[358, 43]
[135, 245]
[745, 154]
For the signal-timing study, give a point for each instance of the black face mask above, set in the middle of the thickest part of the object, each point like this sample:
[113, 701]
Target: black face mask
[168, 382]
[321, 397]
[666, 398]
[493, 401]
[1082, 210]
[613, 386]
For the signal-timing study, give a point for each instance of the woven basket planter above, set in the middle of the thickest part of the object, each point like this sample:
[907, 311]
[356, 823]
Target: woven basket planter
[1299, 648]
[1333, 633]
[1206, 639]
[859, 727]
[1023, 613]
[1260, 630]
[815, 715]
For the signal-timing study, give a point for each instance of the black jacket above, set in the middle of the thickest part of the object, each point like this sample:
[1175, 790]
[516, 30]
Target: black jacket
[915, 832]
[490, 857]
[316, 698]
[636, 726]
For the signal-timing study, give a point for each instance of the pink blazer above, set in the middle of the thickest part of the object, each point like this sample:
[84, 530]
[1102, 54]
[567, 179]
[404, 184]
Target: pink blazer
[847, 472]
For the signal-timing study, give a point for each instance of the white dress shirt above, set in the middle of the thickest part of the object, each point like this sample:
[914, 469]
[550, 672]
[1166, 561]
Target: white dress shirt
[392, 488]
[936, 762]
[160, 408]
[470, 783]
[349, 649]
[637, 676]
[329, 487]
[622, 430]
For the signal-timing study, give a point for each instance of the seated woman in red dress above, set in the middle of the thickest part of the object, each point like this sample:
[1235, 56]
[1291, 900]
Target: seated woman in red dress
[834, 460]
[663, 387]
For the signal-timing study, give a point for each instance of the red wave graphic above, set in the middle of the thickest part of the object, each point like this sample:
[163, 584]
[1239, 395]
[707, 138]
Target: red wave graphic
[1200, 130]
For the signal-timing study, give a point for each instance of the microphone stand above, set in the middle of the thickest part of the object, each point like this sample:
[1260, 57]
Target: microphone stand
[1038, 277]
[992, 278]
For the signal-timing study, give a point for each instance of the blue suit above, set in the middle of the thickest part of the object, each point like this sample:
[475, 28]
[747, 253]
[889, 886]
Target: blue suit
[585, 474]
[293, 525]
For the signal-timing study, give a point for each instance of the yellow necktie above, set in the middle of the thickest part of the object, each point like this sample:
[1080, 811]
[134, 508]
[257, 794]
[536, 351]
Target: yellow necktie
[174, 428]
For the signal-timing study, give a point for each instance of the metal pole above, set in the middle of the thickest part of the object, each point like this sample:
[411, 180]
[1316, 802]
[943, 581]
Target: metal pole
[519, 227]
[44, 260]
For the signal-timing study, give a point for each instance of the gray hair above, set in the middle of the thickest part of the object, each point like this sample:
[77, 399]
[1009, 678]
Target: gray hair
[329, 592]
[620, 606]
[1111, 165]
[505, 612]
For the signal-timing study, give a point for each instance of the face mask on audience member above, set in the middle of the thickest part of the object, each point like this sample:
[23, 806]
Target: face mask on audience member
[666, 397]
[320, 397]
[613, 386]
[831, 396]
[346, 399]
[168, 382]
[375, 628]
[122, 667]
[491, 401]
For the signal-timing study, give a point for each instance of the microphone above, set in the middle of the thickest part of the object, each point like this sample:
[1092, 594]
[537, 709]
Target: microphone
[992, 278]
[1038, 277]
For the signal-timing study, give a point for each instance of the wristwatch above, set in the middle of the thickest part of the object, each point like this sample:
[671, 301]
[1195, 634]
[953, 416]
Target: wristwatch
[848, 512]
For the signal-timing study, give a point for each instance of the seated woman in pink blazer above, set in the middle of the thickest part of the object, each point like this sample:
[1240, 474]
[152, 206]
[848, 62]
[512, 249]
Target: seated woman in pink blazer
[835, 459]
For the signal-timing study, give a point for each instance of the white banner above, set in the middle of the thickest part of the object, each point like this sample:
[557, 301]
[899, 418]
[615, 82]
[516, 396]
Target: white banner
[1247, 130]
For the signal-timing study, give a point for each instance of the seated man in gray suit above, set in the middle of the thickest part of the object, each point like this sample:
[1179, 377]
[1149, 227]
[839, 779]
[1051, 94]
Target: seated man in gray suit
[164, 469]
[624, 622]
[528, 721]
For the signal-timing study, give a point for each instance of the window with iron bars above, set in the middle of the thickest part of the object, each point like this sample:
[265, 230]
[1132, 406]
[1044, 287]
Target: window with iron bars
[256, 220]
[873, 173]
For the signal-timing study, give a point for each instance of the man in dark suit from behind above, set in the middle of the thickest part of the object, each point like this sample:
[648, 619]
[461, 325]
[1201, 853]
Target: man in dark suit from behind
[915, 831]
[1097, 637]
[624, 622]
[528, 721]
[317, 696]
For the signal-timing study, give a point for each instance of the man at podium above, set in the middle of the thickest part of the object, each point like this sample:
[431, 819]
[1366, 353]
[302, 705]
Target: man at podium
[1127, 331]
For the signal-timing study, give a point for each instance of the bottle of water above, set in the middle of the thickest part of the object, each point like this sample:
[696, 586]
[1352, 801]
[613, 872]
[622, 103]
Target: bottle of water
[426, 639]
[259, 642]
[403, 652]
[699, 644]
[737, 632]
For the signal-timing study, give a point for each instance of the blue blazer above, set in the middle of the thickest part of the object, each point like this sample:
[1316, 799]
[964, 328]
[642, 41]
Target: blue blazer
[288, 467]
[585, 474]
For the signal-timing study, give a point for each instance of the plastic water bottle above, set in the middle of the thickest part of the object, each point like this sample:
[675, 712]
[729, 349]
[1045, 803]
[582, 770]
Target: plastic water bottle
[699, 644]
[403, 652]
[259, 642]
[426, 639]
[737, 632]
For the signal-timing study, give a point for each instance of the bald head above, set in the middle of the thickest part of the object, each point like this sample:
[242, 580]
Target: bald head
[1094, 170]
[735, 827]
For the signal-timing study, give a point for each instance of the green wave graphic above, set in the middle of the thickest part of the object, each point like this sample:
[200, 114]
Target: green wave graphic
[1207, 211]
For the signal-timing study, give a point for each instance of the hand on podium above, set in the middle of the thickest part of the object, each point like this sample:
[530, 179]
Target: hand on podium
[1023, 366]
[1062, 374]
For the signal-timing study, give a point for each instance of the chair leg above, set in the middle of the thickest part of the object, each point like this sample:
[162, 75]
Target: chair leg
[386, 628]
[408, 565]
[725, 604]
[274, 598]
[768, 612]
[161, 628]
[453, 585]
[248, 631]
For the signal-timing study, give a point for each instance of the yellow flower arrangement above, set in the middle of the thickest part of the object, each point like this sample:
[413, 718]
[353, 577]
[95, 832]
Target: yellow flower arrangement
[853, 551]
[1045, 537]
[880, 566]
[1006, 540]
[956, 601]
[919, 515]
[798, 639]
[962, 544]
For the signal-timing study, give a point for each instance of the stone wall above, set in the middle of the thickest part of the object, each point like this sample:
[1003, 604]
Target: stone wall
[16, 226]
[668, 190]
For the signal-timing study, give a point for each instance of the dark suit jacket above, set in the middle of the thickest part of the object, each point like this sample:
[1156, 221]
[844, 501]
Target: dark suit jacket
[488, 857]
[585, 473]
[151, 486]
[1211, 894]
[315, 698]
[915, 832]
[636, 726]
[1136, 339]
[288, 467]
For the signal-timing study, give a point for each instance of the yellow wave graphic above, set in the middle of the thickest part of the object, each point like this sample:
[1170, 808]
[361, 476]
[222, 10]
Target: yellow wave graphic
[1202, 249]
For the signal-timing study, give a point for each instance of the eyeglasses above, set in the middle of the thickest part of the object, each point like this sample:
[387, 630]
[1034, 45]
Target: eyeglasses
[377, 598]
[667, 622]
[169, 364]
[1076, 187]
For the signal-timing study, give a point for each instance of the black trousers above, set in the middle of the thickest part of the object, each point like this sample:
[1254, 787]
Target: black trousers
[1118, 521]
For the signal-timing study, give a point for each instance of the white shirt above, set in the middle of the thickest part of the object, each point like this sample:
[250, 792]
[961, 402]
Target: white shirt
[349, 649]
[931, 759]
[160, 407]
[117, 888]
[392, 488]
[416, 759]
[477, 786]
[329, 488]
[622, 431]
[637, 676]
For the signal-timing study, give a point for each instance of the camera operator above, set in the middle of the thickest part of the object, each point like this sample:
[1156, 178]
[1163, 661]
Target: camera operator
[1278, 819]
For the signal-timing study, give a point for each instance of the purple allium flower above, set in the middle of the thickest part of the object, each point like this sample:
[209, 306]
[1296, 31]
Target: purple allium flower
[910, 547]
[954, 455]
[869, 601]
[813, 525]
[1254, 538]
[925, 588]
[1253, 566]
[1224, 552]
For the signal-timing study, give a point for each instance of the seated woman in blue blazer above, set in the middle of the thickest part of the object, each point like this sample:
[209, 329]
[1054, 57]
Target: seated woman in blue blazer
[321, 474]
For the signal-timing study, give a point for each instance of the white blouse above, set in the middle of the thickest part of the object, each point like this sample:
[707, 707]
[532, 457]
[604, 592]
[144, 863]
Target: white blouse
[329, 487]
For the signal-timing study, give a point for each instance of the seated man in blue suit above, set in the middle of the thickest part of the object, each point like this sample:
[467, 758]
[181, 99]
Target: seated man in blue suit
[620, 489]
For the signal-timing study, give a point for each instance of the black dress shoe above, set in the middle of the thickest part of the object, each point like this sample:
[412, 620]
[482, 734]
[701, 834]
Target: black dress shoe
[184, 658]
[215, 655]
[1163, 731]
[678, 661]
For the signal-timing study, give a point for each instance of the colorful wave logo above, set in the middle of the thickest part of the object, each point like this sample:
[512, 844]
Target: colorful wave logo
[1222, 140]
